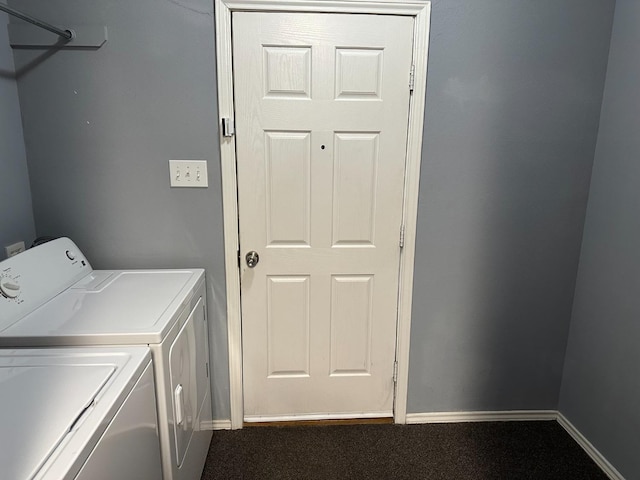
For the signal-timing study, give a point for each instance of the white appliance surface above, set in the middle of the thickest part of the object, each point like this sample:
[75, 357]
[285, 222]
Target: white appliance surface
[51, 297]
[57, 403]
[107, 308]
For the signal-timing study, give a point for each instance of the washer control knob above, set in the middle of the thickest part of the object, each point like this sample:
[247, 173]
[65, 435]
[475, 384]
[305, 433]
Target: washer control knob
[9, 288]
[71, 255]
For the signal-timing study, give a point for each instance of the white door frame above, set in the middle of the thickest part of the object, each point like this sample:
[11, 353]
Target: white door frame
[420, 10]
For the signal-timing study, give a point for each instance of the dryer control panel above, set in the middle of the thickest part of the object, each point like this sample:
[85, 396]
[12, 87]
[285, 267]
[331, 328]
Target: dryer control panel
[34, 277]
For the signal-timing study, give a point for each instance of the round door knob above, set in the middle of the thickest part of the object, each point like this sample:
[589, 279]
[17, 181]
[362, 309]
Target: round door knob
[252, 259]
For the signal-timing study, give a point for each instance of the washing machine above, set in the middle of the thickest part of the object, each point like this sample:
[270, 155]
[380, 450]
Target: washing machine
[51, 297]
[78, 414]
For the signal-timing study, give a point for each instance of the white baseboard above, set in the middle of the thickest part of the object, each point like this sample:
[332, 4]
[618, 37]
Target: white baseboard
[502, 416]
[587, 446]
[216, 425]
[520, 415]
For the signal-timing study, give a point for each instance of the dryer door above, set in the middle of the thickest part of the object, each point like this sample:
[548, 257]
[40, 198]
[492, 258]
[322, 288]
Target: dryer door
[183, 370]
[202, 366]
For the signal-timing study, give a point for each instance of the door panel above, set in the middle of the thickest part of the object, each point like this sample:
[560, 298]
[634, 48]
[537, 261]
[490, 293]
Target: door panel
[288, 176]
[288, 326]
[321, 106]
[351, 324]
[355, 180]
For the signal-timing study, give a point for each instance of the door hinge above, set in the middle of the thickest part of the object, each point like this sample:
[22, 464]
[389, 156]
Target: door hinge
[207, 366]
[228, 129]
[412, 77]
[239, 262]
[395, 372]
[402, 236]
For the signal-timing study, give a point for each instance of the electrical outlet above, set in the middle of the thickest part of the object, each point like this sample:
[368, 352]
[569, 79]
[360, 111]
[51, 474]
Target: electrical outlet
[188, 173]
[13, 250]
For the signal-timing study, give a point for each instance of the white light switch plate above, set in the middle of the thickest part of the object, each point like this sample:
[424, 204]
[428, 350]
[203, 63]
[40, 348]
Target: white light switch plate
[188, 173]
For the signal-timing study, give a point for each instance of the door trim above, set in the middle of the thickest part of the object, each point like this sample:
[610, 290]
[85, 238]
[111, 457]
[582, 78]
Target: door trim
[421, 11]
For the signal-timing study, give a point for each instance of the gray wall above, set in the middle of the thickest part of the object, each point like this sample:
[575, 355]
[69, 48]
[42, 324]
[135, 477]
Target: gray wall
[601, 384]
[16, 215]
[514, 95]
[100, 128]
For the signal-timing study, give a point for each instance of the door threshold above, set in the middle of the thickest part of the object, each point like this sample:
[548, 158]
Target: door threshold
[322, 423]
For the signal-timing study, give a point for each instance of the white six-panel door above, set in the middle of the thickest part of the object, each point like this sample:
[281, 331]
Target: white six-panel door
[321, 106]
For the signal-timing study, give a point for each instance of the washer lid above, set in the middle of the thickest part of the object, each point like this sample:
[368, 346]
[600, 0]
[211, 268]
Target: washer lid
[40, 405]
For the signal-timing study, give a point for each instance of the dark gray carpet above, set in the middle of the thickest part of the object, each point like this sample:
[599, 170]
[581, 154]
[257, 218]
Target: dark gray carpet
[478, 451]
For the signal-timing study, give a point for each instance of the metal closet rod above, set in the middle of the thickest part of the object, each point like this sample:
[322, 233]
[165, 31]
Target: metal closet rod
[68, 34]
